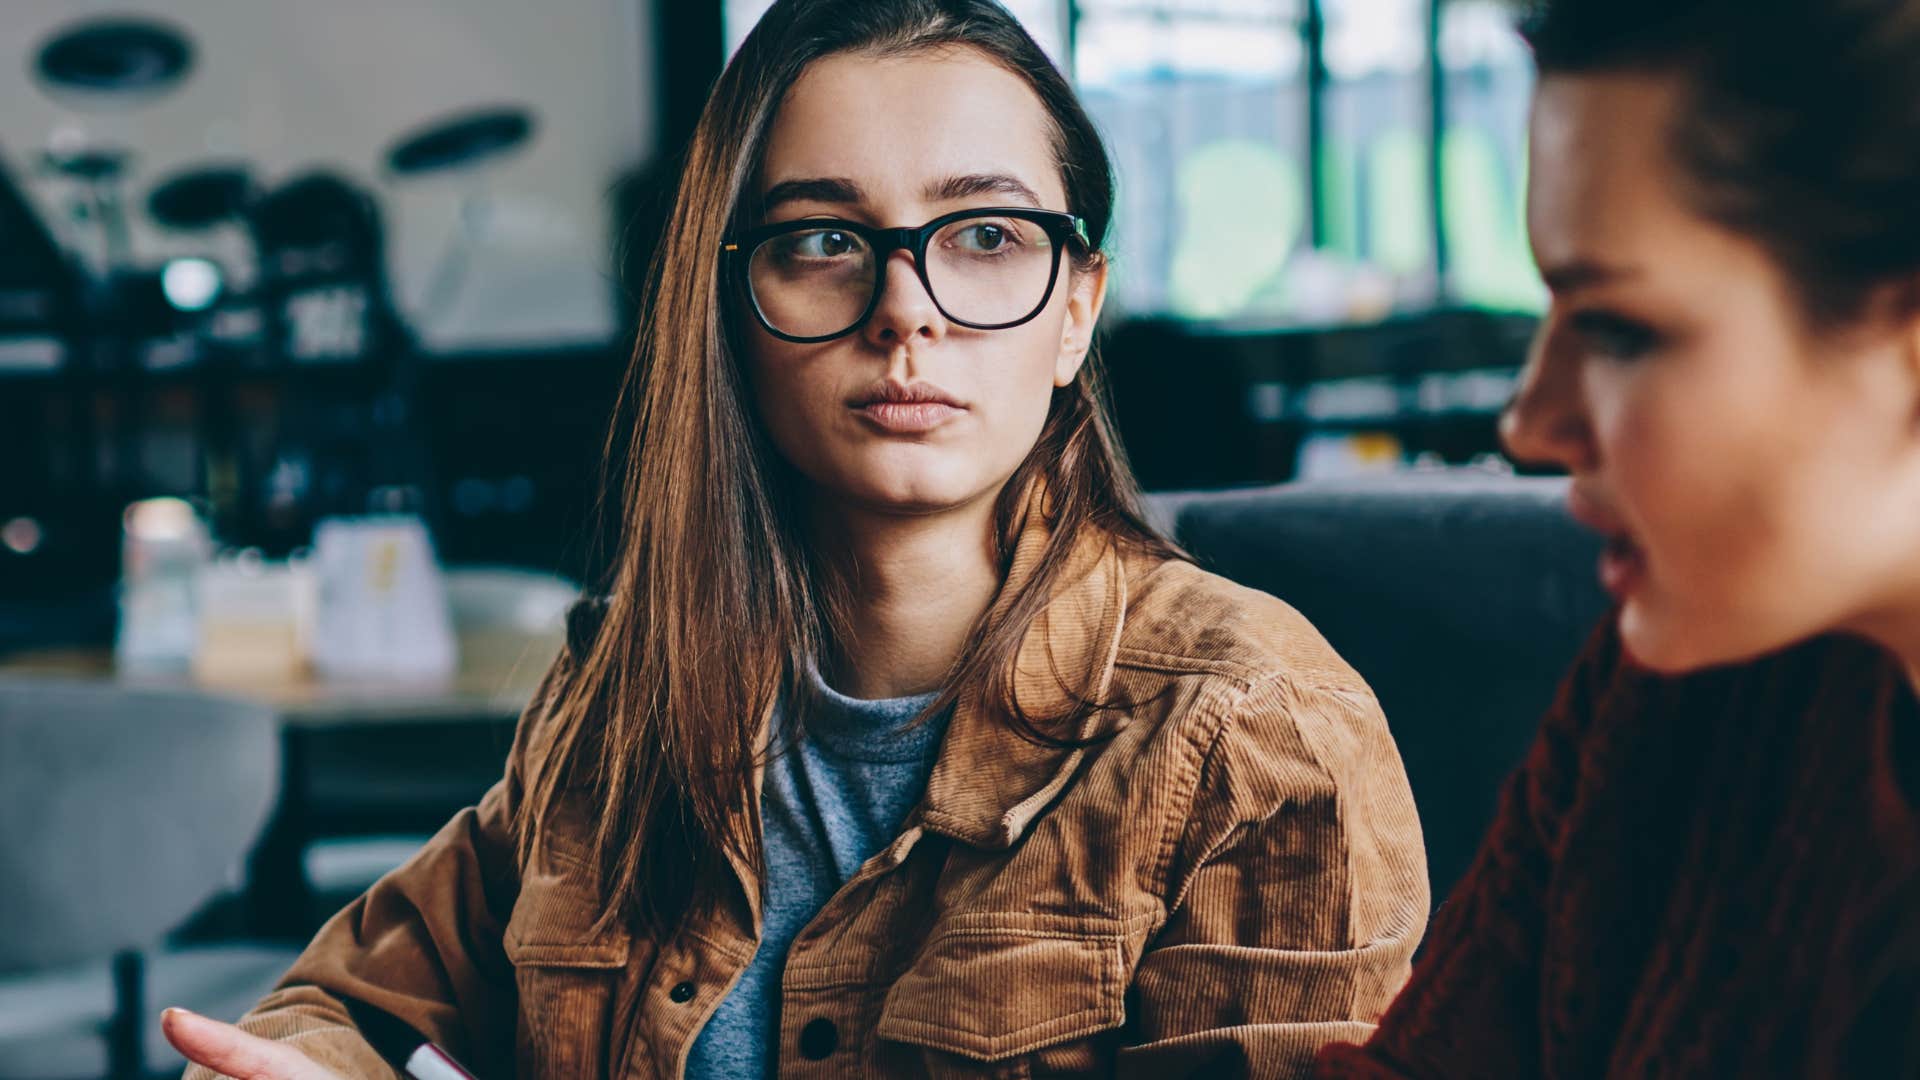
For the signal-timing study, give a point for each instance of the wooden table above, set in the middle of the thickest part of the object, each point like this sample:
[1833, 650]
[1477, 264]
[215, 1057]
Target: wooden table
[496, 677]
[359, 758]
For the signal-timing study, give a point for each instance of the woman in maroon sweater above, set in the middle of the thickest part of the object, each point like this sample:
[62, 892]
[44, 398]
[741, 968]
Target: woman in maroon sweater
[1709, 865]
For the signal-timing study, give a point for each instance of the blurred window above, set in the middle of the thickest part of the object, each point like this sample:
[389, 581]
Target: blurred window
[1489, 79]
[1203, 106]
[1377, 214]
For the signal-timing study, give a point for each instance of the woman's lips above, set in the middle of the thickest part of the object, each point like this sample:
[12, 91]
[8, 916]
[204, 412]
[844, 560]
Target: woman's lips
[1622, 565]
[908, 417]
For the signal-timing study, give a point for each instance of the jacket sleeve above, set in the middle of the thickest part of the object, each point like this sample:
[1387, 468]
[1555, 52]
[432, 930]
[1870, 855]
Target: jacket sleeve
[1472, 1006]
[423, 945]
[1299, 891]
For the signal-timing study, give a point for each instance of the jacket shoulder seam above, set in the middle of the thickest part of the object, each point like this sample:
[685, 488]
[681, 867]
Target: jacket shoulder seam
[1230, 718]
[1218, 707]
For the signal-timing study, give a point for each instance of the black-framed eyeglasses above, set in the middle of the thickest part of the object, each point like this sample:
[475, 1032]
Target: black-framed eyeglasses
[988, 268]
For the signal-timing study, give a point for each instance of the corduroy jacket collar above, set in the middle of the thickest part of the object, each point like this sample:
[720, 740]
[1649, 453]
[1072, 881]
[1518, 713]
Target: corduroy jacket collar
[987, 788]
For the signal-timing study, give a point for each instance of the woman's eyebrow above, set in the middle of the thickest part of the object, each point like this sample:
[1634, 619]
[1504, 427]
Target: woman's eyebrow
[972, 184]
[1578, 274]
[836, 190]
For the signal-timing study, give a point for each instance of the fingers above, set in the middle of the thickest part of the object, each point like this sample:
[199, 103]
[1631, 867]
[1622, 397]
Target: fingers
[231, 1052]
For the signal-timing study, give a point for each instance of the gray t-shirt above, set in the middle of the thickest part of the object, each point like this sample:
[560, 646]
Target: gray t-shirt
[828, 805]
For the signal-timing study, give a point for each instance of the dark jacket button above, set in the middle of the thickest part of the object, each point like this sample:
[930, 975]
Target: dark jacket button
[818, 1039]
[681, 993]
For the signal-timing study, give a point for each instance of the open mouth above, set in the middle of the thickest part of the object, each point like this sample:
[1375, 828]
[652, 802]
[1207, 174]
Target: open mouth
[1622, 565]
[1622, 562]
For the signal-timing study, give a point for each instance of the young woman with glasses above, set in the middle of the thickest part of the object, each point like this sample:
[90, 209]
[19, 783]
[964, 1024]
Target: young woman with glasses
[901, 744]
[1710, 863]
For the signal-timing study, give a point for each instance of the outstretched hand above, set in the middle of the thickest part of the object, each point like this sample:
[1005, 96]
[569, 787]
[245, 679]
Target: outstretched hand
[231, 1052]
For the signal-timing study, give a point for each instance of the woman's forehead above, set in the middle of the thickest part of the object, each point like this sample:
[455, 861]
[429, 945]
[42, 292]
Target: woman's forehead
[1602, 186]
[900, 129]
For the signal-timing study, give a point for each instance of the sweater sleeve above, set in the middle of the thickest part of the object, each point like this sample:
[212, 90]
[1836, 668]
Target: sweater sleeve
[1472, 1006]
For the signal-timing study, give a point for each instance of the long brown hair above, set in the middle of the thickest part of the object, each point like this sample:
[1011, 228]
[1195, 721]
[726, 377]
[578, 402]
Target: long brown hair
[715, 599]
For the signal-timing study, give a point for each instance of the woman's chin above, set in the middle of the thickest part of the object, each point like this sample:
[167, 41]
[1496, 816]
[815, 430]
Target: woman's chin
[918, 492]
[1669, 643]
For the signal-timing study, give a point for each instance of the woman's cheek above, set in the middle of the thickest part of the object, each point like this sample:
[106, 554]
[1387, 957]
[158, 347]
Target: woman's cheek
[792, 411]
[1013, 419]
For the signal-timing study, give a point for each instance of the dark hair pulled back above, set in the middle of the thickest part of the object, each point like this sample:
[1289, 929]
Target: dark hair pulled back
[1800, 128]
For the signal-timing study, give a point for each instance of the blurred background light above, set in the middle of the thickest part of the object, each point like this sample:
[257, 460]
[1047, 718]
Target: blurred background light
[190, 284]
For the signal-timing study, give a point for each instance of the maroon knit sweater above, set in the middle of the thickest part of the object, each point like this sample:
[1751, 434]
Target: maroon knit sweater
[1704, 876]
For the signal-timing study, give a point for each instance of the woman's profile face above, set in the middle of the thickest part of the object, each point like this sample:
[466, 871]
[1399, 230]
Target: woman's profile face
[1756, 476]
[893, 142]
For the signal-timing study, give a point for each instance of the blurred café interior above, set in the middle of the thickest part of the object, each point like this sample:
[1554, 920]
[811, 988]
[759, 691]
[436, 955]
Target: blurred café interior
[311, 322]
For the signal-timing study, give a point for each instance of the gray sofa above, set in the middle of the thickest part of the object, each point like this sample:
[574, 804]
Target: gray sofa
[1461, 597]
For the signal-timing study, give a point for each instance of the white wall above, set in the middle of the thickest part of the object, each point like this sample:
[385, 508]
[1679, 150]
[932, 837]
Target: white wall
[330, 83]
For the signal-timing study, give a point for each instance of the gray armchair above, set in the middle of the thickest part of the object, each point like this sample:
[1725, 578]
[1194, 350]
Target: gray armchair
[121, 813]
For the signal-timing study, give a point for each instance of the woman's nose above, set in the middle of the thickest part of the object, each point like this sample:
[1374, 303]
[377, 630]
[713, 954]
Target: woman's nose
[1546, 423]
[906, 310]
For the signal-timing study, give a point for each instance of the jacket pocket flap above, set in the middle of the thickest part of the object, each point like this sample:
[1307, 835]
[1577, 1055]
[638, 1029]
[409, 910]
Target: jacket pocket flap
[552, 923]
[994, 986]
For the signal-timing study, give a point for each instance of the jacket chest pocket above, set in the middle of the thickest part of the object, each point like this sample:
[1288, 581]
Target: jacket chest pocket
[1009, 995]
[566, 976]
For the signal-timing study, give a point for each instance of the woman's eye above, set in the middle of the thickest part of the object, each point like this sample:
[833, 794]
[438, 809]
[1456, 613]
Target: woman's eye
[826, 245]
[1614, 336]
[986, 237]
[820, 244]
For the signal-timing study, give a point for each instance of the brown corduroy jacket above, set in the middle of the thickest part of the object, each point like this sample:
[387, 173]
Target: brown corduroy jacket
[1231, 879]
